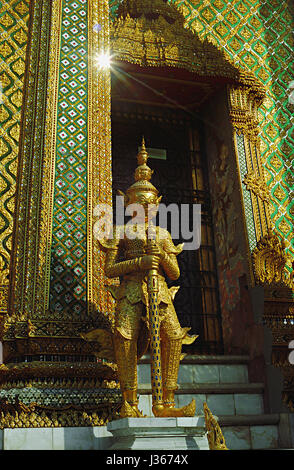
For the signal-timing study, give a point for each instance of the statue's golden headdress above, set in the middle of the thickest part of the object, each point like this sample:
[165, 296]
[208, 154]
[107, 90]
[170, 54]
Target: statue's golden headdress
[142, 191]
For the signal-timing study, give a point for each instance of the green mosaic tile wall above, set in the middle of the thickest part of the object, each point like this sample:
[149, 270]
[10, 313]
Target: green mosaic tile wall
[258, 36]
[69, 245]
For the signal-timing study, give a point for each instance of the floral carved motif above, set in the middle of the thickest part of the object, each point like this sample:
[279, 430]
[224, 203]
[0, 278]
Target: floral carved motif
[257, 185]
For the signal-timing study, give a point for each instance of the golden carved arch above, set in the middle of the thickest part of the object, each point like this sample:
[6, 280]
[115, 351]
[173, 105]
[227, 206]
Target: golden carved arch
[152, 34]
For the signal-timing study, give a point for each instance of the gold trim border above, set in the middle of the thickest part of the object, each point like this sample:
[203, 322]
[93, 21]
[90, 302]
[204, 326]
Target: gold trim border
[243, 215]
[243, 108]
[50, 157]
[99, 151]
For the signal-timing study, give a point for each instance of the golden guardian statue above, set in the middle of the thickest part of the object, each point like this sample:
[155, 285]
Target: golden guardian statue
[141, 255]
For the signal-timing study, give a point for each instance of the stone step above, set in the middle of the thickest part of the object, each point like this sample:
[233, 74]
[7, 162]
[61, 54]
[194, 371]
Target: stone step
[205, 359]
[210, 388]
[250, 432]
[202, 373]
[238, 400]
[249, 420]
[240, 416]
[222, 382]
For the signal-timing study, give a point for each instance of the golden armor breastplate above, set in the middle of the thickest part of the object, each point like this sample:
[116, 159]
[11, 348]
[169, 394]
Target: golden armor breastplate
[134, 248]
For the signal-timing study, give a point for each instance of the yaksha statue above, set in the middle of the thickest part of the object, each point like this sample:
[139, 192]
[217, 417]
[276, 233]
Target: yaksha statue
[141, 255]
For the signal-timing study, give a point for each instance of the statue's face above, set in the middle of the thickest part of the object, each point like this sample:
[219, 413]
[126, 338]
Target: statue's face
[148, 201]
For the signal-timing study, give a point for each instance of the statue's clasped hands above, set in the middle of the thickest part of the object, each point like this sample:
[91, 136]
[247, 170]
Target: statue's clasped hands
[153, 257]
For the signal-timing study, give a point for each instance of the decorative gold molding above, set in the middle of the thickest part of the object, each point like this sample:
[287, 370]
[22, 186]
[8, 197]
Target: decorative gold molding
[57, 370]
[3, 299]
[269, 260]
[14, 39]
[43, 279]
[154, 34]
[215, 436]
[99, 153]
[61, 382]
[244, 102]
[25, 250]
[244, 105]
[42, 418]
[257, 185]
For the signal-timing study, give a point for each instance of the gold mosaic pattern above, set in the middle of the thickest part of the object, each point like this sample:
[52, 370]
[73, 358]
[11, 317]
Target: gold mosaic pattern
[49, 161]
[13, 42]
[25, 261]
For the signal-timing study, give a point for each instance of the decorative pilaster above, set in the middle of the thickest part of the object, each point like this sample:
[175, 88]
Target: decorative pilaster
[57, 284]
[243, 104]
[99, 152]
[27, 228]
[14, 18]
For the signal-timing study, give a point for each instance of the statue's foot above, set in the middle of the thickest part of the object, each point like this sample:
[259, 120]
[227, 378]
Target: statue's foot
[130, 411]
[161, 411]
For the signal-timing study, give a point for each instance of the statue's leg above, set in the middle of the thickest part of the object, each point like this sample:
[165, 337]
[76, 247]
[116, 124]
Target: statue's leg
[126, 359]
[171, 347]
[125, 348]
[170, 357]
[172, 336]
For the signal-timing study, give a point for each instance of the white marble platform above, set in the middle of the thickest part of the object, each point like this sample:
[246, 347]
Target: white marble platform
[159, 434]
[69, 438]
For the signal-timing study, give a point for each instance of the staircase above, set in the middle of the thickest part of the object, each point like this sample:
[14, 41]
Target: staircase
[221, 382]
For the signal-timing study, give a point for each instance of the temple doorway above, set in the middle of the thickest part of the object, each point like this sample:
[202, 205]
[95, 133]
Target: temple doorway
[175, 136]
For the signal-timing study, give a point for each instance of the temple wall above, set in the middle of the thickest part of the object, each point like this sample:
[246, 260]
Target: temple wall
[257, 36]
[242, 304]
[240, 334]
[14, 18]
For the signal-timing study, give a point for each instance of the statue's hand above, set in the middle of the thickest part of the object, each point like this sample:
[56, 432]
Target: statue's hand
[149, 262]
[154, 249]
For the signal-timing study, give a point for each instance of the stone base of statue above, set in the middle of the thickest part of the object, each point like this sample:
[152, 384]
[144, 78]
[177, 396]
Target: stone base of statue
[159, 434]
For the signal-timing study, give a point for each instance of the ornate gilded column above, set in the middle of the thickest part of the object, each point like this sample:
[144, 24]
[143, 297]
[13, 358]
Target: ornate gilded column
[267, 251]
[244, 102]
[26, 217]
[57, 286]
[56, 289]
[99, 150]
[14, 24]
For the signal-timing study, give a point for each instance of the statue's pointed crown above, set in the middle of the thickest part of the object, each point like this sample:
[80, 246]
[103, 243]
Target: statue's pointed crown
[143, 176]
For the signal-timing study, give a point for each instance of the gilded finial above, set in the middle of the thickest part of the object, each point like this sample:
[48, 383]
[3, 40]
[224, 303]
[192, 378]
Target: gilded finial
[142, 156]
[143, 172]
[142, 189]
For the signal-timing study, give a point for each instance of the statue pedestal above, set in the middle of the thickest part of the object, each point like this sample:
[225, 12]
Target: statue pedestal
[159, 434]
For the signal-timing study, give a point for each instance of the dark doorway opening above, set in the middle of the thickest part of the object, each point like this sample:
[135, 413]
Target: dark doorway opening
[181, 178]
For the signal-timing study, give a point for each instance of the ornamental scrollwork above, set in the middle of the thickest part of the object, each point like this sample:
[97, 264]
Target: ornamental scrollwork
[257, 185]
[154, 34]
[215, 436]
[269, 261]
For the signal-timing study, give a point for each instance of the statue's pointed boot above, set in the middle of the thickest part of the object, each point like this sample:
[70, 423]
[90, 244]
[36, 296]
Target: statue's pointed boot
[162, 411]
[168, 408]
[130, 408]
